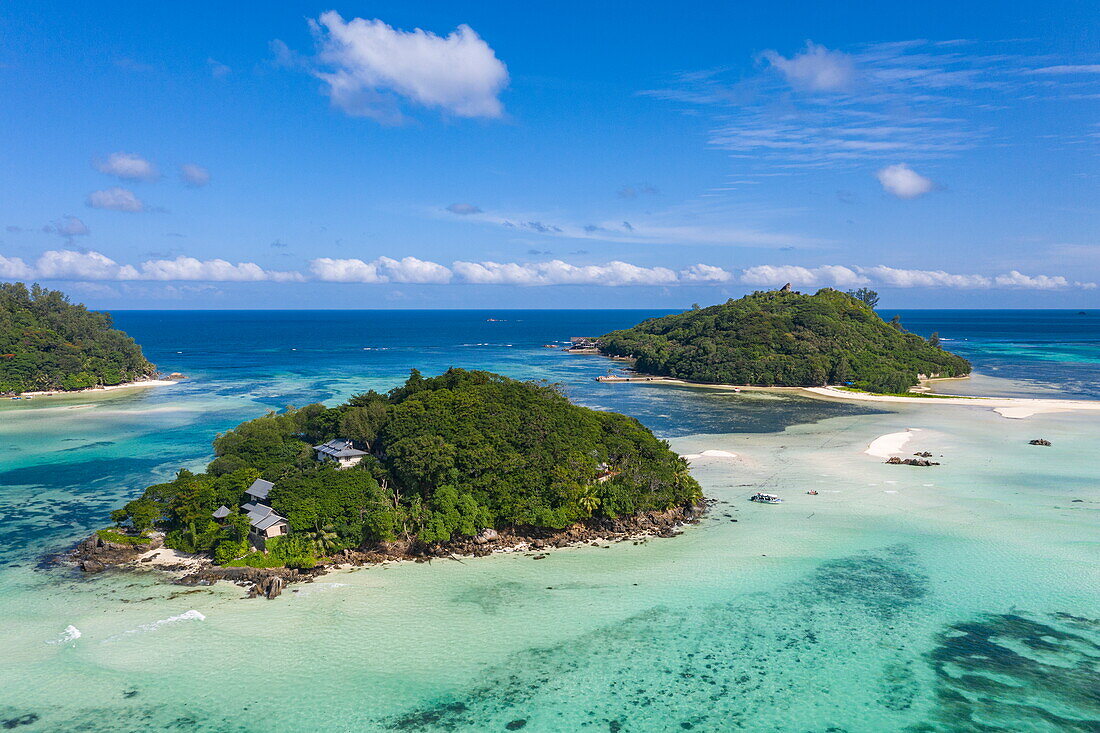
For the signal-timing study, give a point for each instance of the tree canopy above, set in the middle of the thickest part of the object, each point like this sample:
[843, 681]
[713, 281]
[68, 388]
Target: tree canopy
[785, 339]
[48, 343]
[449, 456]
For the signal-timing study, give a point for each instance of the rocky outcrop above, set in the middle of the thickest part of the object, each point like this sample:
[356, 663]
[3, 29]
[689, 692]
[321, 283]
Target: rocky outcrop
[896, 461]
[649, 524]
[267, 582]
[1039, 441]
[270, 588]
[94, 553]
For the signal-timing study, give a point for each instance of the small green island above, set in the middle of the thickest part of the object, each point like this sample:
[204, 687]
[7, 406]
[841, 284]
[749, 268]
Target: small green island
[464, 462]
[782, 338]
[50, 344]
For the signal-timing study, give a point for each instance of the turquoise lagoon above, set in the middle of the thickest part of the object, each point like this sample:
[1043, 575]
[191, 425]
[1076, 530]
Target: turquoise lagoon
[961, 597]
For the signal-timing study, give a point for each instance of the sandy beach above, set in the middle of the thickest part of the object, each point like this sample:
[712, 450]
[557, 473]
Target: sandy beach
[1009, 407]
[113, 387]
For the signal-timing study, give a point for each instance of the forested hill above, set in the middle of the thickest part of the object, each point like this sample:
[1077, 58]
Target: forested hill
[448, 457]
[781, 338]
[46, 342]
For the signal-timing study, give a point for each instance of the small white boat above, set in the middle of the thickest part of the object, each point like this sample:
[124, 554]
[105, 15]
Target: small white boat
[766, 498]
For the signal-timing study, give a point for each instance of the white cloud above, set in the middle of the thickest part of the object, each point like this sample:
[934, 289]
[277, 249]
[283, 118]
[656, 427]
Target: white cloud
[370, 67]
[127, 166]
[115, 199]
[777, 275]
[463, 209]
[217, 270]
[14, 268]
[381, 270]
[1017, 279]
[903, 182]
[556, 272]
[69, 265]
[1067, 69]
[816, 69]
[924, 278]
[413, 270]
[345, 271]
[194, 175]
[68, 226]
[701, 273]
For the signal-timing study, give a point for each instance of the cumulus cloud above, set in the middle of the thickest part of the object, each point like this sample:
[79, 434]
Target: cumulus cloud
[903, 182]
[68, 227]
[556, 272]
[463, 209]
[1016, 279]
[924, 278]
[701, 273]
[381, 270]
[776, 275]
[815, 69]
[194, 175]
[413, 270]
[73, 265]
[371, 68]
[127, 166]
[13, 268]
[69, 265]
[115, 199]
[216, 270]
[94, 266]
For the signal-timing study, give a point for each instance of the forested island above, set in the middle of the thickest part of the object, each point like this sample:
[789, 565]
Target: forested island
[435, 464]
[48, 343]
[785, 338]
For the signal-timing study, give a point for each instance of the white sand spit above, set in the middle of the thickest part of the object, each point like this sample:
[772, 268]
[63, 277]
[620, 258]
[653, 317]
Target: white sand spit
[890, 444]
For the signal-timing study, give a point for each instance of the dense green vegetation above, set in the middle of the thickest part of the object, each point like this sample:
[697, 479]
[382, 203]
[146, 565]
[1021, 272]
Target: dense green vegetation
[450, 455]
[786, 339]
[48, 343]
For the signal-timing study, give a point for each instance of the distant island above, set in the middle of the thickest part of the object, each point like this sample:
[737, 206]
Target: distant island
[783, 338]
[48, 343]
[462, 462]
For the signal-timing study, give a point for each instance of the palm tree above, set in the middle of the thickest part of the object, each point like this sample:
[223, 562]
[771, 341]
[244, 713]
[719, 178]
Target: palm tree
[324, 540]
[589, 503]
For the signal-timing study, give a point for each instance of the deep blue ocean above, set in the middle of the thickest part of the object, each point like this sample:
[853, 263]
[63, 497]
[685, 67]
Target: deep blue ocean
[1047, 347]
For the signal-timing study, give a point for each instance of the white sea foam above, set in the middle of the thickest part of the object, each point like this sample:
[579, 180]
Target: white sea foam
[191, 615]
[71, 633]
[312, 588]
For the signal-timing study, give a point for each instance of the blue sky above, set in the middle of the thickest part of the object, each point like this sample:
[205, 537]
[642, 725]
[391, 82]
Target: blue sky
[491, 154]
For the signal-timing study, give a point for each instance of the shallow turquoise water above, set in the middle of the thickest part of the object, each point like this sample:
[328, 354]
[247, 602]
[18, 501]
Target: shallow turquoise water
[955, 598]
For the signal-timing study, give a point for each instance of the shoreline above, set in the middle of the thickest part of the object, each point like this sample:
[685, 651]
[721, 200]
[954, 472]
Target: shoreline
[110, 388]
[93, 555]
[1013, 408]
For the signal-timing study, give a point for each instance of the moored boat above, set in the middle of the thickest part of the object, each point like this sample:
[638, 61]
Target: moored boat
[765, 498]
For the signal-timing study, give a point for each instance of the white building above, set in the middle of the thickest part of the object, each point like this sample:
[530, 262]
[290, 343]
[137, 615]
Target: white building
[340, 451]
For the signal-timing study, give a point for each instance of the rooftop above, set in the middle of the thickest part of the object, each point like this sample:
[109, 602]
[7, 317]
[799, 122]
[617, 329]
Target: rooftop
[339, 448]
[259, 488]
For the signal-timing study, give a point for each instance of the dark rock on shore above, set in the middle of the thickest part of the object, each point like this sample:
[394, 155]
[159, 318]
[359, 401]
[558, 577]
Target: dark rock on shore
[655, 524]
[266, 582]
[895, 461]
[1039, 441]
[94, 553]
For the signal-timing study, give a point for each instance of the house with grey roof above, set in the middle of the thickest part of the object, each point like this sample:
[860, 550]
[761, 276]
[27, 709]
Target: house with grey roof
[340, 451]
[259, 489]
[263, 522]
